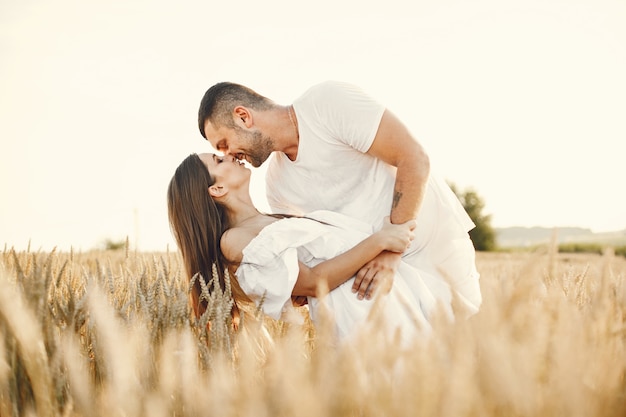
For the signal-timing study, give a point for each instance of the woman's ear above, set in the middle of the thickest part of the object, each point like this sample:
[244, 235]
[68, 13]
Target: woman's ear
[217, 191]
[243, 114]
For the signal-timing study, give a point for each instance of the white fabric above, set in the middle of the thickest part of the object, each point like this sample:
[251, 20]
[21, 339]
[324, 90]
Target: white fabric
[337, 123]
[328, 174]
[269, 271]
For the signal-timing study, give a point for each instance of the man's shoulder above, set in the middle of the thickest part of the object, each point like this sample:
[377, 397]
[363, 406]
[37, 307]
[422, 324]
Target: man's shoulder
[327, 87]
[332, 84]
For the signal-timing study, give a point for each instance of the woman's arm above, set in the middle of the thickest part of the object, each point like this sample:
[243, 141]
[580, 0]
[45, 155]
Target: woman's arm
[335, 271]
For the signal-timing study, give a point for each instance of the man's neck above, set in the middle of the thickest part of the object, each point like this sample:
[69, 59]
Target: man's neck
[292, 134]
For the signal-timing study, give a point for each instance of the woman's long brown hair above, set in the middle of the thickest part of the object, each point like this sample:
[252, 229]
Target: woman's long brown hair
[198, 223]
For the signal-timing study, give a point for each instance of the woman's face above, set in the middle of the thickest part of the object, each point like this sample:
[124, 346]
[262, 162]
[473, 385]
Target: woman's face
[225, 168]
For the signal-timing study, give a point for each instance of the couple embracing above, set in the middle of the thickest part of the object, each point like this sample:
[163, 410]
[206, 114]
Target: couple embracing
[354, 205]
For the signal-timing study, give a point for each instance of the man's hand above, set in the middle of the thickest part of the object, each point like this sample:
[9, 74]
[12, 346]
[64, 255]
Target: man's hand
[377, 274]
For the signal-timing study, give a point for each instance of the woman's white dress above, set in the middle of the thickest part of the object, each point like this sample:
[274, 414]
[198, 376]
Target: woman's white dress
[269, 271]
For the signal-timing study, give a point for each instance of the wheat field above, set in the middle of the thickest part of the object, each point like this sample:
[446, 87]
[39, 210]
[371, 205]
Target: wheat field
[111, 334]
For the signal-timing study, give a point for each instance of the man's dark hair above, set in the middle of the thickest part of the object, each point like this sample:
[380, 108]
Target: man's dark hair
[219, 101]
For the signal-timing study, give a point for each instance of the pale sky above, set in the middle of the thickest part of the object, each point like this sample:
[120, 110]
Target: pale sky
[522, 100]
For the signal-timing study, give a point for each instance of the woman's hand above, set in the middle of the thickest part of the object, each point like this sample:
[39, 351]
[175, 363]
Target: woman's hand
[397, 237]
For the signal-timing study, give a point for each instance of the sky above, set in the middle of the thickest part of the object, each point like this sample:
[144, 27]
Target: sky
[523, 101]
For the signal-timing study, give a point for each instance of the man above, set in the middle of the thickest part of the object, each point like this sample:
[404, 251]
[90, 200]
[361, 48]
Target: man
[335, 148]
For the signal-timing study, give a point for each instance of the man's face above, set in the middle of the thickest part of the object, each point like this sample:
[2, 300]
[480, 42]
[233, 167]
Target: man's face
[241, 143]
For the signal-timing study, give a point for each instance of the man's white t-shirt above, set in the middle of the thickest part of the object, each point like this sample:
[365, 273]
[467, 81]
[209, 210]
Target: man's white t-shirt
[337, 124]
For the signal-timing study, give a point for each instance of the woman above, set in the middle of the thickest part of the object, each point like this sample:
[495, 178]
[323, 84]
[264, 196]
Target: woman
[215, 222]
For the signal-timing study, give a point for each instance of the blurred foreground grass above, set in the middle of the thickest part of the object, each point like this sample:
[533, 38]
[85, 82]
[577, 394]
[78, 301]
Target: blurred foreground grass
[110, 334]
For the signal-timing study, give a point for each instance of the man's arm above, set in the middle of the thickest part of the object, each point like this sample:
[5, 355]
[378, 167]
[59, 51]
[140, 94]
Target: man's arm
[395, 145]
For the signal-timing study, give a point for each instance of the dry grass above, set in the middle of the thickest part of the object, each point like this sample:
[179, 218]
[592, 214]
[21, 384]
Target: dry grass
[110, 334]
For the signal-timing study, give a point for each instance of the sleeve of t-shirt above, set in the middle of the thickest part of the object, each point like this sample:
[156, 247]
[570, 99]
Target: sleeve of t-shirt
[348, 113]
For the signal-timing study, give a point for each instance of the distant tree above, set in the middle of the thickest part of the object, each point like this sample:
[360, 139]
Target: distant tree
[483, 236]
[110, 244]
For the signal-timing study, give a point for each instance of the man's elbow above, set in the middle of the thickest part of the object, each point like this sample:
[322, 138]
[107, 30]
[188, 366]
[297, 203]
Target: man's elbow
[425, 164]
[417, 159]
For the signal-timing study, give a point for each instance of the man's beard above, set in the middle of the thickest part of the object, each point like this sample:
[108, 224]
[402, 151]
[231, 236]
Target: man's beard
[262, 148]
